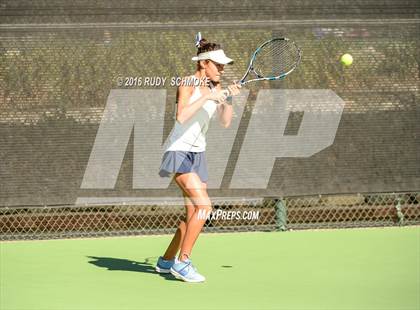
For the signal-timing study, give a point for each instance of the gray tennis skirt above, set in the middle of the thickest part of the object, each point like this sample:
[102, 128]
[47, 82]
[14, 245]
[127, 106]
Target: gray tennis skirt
[184, 162]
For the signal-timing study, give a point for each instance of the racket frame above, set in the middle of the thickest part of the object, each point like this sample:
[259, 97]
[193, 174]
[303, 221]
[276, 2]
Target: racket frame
[261, 78]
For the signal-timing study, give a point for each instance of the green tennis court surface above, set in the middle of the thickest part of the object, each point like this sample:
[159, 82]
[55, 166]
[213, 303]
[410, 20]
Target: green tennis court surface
[329, 269]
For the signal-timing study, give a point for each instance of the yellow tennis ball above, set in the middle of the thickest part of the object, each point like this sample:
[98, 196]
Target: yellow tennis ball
[346, 59]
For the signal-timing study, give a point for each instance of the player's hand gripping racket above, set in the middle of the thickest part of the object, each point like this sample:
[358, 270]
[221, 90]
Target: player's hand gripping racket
[273, 60]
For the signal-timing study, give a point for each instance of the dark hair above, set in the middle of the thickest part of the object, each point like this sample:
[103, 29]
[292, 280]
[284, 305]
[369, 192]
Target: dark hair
[206, 46]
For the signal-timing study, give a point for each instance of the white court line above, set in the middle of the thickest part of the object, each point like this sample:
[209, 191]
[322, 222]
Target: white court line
[189, 25]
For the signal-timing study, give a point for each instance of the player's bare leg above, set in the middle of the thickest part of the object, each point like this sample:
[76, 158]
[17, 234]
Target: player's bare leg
[197, 192]
[175, 244]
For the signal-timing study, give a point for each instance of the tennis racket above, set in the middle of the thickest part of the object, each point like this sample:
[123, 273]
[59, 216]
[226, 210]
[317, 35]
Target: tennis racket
[273, 60]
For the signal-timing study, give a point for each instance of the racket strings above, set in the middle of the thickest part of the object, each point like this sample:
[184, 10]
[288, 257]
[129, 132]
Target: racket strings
[276, 58]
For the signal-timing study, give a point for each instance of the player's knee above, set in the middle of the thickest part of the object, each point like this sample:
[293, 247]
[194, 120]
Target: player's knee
[202, 201]
[206, 208]
[182, 226]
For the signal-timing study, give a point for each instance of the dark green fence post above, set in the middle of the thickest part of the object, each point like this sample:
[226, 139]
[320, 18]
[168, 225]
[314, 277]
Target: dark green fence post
[281, 215]
[400, 214]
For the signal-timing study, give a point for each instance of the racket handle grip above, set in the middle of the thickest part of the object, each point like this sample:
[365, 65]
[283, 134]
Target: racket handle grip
[229, 96]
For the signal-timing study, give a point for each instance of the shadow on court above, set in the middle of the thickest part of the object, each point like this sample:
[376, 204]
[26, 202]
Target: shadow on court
[128, 265]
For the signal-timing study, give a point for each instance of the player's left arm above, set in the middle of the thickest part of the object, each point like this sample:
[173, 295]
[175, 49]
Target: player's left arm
[225, 110]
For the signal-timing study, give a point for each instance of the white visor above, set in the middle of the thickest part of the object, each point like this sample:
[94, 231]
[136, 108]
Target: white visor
[216, 56]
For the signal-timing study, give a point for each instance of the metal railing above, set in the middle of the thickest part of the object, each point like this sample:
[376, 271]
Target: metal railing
[229, 214]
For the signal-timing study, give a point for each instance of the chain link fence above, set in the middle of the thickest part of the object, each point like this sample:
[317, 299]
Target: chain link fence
[229, 215]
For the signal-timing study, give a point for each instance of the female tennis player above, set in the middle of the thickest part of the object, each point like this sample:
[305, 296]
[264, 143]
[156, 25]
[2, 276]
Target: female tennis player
[198, 98]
